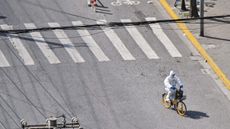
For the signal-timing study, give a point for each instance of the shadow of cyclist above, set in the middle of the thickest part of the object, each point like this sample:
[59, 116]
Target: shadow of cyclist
[3, 17]
[196, 114]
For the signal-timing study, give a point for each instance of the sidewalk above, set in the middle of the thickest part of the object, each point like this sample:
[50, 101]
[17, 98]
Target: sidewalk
[217, 32]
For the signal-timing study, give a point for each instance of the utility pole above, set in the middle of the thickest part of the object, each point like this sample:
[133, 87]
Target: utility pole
[201, 16]
[53, 123]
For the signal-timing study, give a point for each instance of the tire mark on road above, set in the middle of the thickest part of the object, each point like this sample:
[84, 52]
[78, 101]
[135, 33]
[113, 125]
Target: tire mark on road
[109, 104]
[64, 90]
[88, 99]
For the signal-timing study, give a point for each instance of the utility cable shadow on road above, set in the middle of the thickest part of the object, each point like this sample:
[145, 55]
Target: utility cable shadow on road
[58, 11]
[196, 114]
[109, 24]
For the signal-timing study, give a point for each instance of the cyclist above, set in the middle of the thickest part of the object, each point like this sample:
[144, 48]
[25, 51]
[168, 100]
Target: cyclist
[170, 82]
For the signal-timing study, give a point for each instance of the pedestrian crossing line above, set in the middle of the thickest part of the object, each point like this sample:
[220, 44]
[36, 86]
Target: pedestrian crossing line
[3, 60]
[157, 30]
[18, 45]
[40, 41]
[141, 42]
[117, 43]
[68, 45]
[91, 43]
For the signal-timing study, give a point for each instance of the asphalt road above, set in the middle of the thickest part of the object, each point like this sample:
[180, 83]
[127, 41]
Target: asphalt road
[108, 90]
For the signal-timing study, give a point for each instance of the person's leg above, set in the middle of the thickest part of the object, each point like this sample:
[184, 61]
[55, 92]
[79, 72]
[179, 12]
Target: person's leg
[173, 94]
[175, 4]
[94, 3]
[168, 95]
[89, 2]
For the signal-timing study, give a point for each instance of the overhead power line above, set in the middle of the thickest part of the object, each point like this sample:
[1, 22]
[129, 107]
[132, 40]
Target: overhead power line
[109, 24]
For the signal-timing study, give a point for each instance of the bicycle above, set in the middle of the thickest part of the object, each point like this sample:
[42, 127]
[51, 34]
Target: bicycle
[178, 103]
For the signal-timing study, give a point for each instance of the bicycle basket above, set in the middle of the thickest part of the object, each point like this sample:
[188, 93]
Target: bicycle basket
[179, 94]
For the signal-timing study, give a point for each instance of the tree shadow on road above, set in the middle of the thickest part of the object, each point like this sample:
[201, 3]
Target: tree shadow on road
[196, 114]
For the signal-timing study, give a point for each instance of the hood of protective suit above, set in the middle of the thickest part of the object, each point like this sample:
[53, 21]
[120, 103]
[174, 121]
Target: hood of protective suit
[172, 74]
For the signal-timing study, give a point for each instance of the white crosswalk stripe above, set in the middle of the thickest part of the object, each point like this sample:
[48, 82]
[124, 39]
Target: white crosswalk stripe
[156, 28]
[68, 45]
[139, 39]
[18, 45]
[91, 43]
[117, 43]
[40, 41]
[3, 60]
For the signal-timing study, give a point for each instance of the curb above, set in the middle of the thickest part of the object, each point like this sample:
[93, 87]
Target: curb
[197, 45]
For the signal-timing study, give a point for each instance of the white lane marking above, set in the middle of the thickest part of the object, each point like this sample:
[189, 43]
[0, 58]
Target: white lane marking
[68, 45]
[3, 60]
[141, 42]
[18, 45]
[156, 28]
[117, 43]
[91, 43]
[40, 41]
[125, 2]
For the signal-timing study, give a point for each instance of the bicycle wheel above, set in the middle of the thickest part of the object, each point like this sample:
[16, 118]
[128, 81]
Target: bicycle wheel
[181, 108]
[165, 103]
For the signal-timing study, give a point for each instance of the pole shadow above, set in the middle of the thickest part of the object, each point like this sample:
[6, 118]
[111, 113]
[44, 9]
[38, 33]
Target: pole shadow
[223, 20]
[196, 114]
[216, 38]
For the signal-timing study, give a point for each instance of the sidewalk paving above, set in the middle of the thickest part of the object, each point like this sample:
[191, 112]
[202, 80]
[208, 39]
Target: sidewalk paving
[217, 32]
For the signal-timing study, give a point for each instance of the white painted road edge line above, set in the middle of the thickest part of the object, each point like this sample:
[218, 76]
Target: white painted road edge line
[156, 28]
[68, 45]
[91, 43]
[141, 42]
[117, 43]
[18, 45]
[40, 41]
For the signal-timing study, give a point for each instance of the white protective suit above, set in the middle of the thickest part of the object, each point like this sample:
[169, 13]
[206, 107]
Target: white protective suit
[171, 81]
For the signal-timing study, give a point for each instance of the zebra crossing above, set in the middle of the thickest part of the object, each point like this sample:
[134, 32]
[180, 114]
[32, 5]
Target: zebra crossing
[40, 41]
[63, 38]
[93, 46]
[142, 43]
[18, 45]
[91, 43]
[117, 43]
